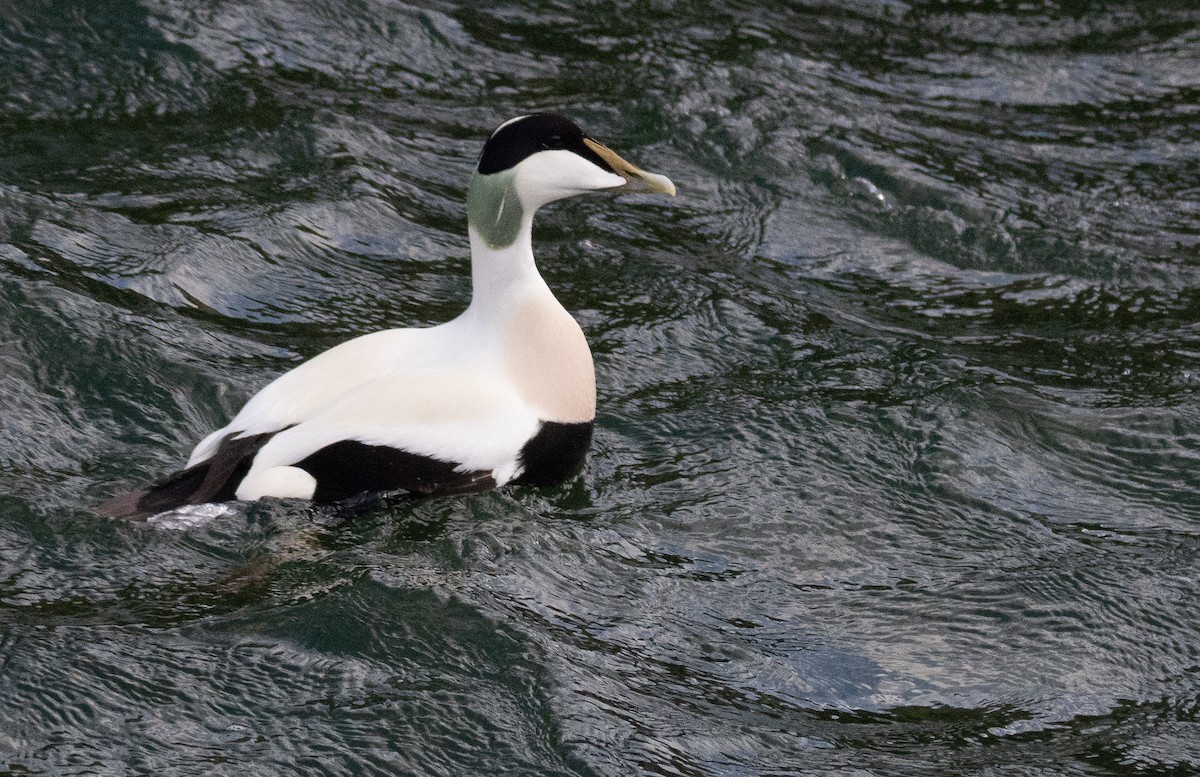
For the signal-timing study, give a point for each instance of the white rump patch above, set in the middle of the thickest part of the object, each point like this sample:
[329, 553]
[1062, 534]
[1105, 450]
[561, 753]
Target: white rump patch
[283, 482]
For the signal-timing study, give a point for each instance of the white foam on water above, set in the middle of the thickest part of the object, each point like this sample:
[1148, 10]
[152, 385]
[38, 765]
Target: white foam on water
[189, 516]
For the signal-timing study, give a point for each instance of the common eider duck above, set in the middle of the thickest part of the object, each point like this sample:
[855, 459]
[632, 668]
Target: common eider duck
[503, 394]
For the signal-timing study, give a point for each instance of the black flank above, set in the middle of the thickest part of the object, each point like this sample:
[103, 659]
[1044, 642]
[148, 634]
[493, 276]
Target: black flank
[348, 468]
[213, 480]
[555, 453]
[514, 143]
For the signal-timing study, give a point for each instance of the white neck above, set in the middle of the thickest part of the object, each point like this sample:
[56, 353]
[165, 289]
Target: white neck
[500, 276]
[540, 345]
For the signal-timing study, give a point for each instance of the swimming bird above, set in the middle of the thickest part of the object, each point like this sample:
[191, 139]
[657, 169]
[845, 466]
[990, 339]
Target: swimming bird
[503, 394]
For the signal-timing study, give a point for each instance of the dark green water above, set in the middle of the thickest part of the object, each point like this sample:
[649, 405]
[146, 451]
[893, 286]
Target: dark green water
[897, 468]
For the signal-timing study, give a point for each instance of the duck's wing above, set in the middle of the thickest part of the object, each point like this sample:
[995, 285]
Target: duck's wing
[430, 432]
[222, 459]
[301, 393]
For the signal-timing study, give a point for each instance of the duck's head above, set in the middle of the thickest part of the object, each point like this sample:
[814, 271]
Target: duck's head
[536, 159]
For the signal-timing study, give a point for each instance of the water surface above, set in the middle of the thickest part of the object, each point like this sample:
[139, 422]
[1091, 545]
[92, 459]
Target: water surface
[895, 470]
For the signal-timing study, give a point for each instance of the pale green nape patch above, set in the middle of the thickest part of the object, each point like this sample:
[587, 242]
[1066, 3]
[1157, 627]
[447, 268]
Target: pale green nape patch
[494, 209]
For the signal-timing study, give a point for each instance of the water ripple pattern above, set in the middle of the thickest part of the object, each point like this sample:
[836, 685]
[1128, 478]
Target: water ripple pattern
[897, 462]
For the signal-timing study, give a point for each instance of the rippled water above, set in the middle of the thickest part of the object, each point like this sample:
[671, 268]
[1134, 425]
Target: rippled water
[896, 468]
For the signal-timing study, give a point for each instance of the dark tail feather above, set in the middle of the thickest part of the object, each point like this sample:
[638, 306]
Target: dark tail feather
[176, 491]
[212, 480]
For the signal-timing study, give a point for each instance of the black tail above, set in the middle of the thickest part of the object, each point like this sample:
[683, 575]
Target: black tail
[213, 480]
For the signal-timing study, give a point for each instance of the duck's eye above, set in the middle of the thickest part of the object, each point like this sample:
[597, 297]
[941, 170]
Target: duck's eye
[555, 142]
